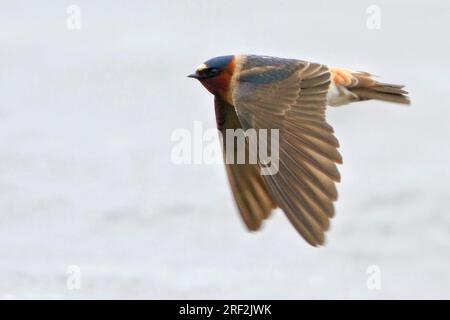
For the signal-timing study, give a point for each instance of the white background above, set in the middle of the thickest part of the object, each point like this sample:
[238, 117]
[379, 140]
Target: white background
[86, 177]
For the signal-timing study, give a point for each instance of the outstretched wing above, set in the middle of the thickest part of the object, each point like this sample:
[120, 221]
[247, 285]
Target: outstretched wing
[249, 189]
[290, 95]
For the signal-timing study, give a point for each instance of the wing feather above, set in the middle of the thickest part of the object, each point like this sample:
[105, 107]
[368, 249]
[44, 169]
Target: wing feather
[249, 189]
[291, 97]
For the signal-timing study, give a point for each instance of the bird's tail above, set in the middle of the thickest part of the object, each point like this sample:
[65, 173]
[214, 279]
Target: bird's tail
[363, 86]
[368, 88]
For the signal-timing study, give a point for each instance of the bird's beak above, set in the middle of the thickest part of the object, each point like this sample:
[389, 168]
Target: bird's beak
[194, 75]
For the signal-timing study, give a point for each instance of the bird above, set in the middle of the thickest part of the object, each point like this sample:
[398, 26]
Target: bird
[263, 92]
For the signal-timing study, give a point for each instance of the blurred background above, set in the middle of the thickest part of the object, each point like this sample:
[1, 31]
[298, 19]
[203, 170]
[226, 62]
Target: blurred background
[88, 188]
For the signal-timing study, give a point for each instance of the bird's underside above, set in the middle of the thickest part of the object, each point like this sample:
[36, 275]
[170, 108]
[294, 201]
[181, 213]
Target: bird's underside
[292, 95]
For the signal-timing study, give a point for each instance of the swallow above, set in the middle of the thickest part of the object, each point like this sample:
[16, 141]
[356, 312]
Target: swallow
[261, 92]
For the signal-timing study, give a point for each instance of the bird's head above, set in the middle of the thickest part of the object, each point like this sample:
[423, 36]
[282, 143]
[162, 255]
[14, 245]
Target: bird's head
[215, 74]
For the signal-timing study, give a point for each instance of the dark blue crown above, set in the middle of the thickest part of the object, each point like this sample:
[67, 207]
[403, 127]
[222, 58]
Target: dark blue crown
[219, 62]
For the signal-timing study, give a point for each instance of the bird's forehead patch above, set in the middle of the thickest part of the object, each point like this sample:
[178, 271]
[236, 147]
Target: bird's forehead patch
[202, 67]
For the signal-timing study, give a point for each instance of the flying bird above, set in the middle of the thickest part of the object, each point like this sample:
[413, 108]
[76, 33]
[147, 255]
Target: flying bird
[261, 92]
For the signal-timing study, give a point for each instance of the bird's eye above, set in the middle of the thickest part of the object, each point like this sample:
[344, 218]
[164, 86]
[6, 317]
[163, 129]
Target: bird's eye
[210, 72]
[213, 71]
